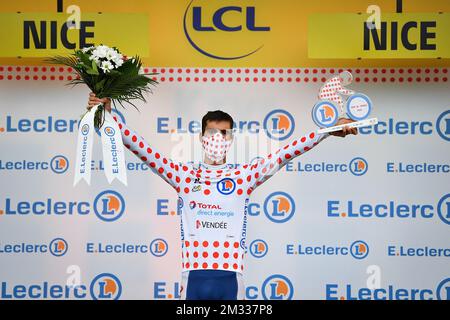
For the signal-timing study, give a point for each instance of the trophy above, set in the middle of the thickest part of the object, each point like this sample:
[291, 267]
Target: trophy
[331, 106]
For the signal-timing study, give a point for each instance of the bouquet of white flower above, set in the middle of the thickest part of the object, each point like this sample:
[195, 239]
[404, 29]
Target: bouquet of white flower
[108, 74]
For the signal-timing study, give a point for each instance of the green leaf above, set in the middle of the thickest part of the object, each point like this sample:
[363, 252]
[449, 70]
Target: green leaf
[94, 67]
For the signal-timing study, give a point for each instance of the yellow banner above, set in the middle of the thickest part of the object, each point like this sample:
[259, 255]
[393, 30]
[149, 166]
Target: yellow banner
[223, 33]
[45, 34]
[400, 36]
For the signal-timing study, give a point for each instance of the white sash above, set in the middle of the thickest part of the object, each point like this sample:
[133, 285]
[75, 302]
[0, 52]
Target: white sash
[112, 146]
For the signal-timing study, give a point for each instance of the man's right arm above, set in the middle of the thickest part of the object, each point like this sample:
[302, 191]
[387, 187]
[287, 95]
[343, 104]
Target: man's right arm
[167, 169]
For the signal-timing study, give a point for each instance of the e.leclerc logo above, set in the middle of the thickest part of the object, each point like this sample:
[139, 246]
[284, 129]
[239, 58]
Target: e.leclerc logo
[274, 287]
[334, 291]
[391, 210]
[57, 164]
[108, 206]
[357, 166]
[57, 247]
[358, 249]
[278, 125]
[105, 286]
[392, 126]
[258, 248]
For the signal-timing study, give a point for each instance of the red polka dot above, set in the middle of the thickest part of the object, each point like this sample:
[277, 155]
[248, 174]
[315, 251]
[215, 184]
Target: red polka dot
[216, 244]
[225, 265]
[204, 265]
[187, 243]
[186, 190]
[141, 144]
[188, 180]
[160, 170]
[134, 138]
[236, 244]
[235, 255]
[240, 191]
[205, 243]
[195, 254]
[127, 132]
[226, 255]
[195, 265]
[157, 155]
[216, 255]
[196, 244]
[235, 266]
[239, 181]
[226, 244]
[149, 150]
[215, 266]
[187, 265]
[205, 254]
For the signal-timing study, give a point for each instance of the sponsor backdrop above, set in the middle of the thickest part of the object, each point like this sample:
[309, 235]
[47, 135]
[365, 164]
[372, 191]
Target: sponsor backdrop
[365, 217]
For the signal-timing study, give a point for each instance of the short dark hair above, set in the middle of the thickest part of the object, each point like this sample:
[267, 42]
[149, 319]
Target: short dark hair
[217, 115]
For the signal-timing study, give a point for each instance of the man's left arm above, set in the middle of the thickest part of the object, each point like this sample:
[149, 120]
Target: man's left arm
[264, 168]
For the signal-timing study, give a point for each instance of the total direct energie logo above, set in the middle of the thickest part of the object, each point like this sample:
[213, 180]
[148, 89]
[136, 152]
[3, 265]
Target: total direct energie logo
[279, 207]
[105, 286]
[223, 32]
[275, 287]
[390, 210]
[278, 124]
[108, 206]
[335, 291]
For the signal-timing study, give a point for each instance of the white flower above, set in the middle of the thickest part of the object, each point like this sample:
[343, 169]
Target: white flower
[106, 66]
[86, 49]
[100, 51]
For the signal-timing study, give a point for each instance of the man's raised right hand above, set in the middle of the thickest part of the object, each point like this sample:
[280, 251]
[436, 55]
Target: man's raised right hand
[93, 101]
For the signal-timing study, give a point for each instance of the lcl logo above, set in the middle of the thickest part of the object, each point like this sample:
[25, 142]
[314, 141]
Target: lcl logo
[202, 20]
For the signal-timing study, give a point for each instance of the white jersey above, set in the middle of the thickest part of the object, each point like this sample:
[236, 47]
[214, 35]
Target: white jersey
[213, 200]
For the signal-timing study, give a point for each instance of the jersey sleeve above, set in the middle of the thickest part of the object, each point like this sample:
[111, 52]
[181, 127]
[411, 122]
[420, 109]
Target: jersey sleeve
[264, 168]
[168, 170]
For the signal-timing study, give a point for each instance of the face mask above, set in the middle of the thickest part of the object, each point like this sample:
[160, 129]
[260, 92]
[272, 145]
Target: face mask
[215, 146]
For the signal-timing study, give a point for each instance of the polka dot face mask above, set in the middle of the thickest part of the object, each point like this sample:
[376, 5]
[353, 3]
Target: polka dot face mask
[216, 143]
